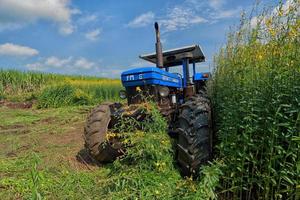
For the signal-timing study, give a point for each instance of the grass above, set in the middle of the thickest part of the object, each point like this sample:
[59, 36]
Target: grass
[41, 162]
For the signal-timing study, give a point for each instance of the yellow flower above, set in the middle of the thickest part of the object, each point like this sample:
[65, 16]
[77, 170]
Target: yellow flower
[269, 22]
[193, 188]
[272, 32]
[280, 12]
[138, 89]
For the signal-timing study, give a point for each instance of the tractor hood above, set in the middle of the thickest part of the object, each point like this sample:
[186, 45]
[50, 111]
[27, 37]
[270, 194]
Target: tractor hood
[150, 76]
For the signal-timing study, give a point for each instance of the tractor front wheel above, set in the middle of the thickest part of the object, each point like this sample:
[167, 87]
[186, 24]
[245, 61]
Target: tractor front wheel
[96, 134]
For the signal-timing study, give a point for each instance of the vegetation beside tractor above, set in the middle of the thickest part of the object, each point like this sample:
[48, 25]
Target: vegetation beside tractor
[256, 96]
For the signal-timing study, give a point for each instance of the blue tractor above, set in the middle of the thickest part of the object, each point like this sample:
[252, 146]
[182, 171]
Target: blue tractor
[180, 97]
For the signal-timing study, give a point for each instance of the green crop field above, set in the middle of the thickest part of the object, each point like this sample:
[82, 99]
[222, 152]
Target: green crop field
[255, 96]
[52, 90]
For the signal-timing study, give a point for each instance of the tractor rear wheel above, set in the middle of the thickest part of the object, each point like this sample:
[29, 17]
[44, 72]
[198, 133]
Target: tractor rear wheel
[95, 134]
[194, 145]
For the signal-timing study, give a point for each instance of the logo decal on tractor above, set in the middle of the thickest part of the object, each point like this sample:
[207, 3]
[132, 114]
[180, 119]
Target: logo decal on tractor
[130, 78]
[166, 78]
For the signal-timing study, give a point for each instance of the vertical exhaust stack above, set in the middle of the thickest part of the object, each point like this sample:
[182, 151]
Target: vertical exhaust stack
[159, 55]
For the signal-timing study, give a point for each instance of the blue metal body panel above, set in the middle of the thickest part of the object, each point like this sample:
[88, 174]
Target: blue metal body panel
[150, 76]
[199, 76]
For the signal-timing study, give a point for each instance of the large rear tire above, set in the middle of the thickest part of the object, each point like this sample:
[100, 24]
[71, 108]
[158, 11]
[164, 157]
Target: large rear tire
[95, 134]
[194, 145]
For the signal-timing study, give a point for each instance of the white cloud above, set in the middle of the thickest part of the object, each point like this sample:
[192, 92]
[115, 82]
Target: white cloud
[57, 62]
[87, 19]
[223, 14]
[140, 63]
[142, 20]
[109, 73]
[79, 65]
[67, 29]
[219, 12]
[179, 18]
[187, 14]
[17, 13]
[10, 49]
[93, 35]
[216, 4]
[83, 63]
[163, 40]
[36, 66]
[62, 64]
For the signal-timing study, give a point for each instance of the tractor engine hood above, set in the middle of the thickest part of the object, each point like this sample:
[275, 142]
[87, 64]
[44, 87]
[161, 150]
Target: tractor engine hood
[150, 76]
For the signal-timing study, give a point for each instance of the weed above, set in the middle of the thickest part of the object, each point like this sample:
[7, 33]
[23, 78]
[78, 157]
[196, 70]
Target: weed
[35, 177]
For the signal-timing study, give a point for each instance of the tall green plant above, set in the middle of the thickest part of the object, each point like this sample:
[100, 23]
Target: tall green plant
[256, 92]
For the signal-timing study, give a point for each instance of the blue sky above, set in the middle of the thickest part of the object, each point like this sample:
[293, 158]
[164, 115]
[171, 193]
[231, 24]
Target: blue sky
[105, 37]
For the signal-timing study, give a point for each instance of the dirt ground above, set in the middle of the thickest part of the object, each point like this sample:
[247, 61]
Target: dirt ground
[51, 140]
[53, 133]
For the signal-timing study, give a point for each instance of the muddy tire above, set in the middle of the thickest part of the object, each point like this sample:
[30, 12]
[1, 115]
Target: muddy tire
[194, 145]
[95, 134]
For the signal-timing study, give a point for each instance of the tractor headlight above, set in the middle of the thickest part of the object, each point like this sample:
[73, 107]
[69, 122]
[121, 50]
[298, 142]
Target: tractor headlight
[163, 91]
[206, 75]
[122, 94]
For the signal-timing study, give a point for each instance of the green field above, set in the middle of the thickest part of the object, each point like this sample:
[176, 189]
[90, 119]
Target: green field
[53, 90]
[255, 95]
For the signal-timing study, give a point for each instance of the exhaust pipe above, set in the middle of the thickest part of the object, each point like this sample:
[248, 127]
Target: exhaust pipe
[159, 55]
